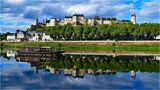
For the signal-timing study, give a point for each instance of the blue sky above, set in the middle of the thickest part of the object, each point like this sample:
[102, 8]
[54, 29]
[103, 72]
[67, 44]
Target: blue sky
[19, 14]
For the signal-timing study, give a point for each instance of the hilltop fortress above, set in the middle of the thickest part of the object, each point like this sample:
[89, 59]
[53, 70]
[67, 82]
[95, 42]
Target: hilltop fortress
[79, 19]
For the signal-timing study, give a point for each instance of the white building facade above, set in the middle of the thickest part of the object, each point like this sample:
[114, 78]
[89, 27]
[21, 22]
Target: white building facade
[157, 37]
[35, 37]
[107, 22]
[46, 37]
[52, 22]
[67, 20]
[20, 36]
[99, 21]
[90, 22]
[11, 38]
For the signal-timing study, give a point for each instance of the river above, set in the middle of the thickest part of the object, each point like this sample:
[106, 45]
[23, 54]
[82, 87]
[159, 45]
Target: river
[77, 71]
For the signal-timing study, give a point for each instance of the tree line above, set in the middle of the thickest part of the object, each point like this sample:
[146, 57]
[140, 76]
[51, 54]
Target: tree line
[147, 31]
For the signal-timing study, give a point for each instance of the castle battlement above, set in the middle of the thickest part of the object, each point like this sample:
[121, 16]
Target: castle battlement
[79, 19]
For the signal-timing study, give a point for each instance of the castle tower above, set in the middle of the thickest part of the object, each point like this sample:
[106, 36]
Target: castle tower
[75, 19]
[133, 18]
[36, 22]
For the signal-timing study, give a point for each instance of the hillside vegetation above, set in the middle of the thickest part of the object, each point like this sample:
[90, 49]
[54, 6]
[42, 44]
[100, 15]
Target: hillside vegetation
[146, 31]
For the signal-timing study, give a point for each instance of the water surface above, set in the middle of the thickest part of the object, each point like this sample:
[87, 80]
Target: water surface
[80, 71]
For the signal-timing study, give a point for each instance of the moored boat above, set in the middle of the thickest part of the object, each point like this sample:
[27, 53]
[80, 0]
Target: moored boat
[37, 51]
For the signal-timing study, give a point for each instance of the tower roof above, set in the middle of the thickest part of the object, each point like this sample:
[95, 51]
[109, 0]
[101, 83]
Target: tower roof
[79, 15]
[68, 16]
[133, 14]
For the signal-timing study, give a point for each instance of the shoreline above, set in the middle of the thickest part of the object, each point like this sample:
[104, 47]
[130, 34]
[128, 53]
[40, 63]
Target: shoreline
[97, 42]
[111, 53]
[89, 45]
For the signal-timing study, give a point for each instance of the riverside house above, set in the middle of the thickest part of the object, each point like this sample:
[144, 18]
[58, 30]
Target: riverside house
[46, 37]
[11, 37]
[28, 36]
[21, 36]
[157, 37]
[33, 36]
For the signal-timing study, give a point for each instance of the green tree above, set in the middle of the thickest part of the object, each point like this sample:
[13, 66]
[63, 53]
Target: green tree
[86, 32]
[79, 31]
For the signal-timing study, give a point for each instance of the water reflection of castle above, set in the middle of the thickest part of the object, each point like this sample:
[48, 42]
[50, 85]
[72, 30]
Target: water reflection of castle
[110, 63]
[79, 73]
[41, 63]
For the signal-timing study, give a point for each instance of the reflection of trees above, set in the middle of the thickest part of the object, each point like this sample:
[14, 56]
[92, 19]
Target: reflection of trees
[79, 65]
[143, 64]
[95, 62]
[4, 55]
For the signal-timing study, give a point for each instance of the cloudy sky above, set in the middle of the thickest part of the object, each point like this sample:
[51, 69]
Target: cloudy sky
[19, 14]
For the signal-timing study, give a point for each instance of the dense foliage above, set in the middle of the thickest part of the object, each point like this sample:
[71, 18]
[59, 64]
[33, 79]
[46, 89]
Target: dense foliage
[103, 32]
[3, 36]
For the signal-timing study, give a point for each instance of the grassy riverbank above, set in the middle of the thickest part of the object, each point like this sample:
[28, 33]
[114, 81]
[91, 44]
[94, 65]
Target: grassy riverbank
[82, 46]
[114, 48]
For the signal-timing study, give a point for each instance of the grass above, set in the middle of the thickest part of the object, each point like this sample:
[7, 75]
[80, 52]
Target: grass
[84, 47]
[113, 48]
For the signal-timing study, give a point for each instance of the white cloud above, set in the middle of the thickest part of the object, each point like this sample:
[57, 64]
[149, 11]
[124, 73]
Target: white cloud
[150, 12]
[17, 11]
[15, 1]
[82, 9]
[12, 28]
[12, 23]
[150, 7]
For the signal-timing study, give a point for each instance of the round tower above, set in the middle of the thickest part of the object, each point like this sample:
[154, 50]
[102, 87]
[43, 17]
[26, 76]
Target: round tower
[36, 23]
[133, 18]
